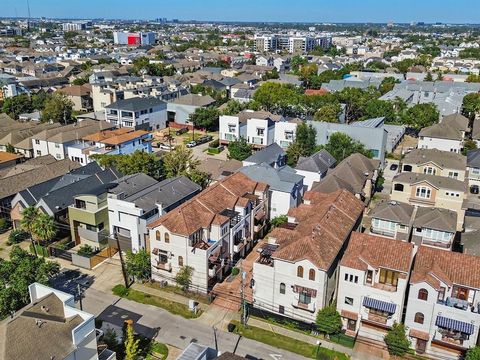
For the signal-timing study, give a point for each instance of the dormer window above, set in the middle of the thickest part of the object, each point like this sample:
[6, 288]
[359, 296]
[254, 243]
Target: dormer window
[423, 192]
[429, 170]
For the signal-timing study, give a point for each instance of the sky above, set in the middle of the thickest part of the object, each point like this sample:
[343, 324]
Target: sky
[405, 11]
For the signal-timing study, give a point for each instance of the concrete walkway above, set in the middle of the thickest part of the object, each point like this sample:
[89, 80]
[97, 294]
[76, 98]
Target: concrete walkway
[299, 336]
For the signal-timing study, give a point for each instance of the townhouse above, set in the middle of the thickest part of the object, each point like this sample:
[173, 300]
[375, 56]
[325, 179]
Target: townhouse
[139, 113]
[443, 314]
[56, 141]
[392, 219]
[295, 274]
[209, 232]
[373, 278]
[448, 135]
[473, 168]
[79, 95]
[425, 190]
[136, 201]
[315, 167]
[285, 131]
[121, 141]
[357, 174]
[257, 127]
[51, 314]
[180, 109]
[435, 162]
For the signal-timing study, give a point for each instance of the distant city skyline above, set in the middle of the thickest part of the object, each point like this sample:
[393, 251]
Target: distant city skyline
[406, 11]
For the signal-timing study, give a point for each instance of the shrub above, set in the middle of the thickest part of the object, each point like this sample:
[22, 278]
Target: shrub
[17, 236]
[214, 143]
[3, 225]
[235, 271]
[85, 250]
[120, 290]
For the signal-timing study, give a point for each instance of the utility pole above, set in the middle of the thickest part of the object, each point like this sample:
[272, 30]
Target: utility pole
[124, 272]
[242, 294]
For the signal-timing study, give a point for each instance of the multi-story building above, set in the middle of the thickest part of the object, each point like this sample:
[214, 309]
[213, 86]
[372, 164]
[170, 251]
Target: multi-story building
[372, 283]
[448, 135]
[263, 43]
[443, 310]
[209, 232]
[473, 167]
[295, 274]
[300, 44]
[434, 227]
[51, 315]
[392, 219]
[435, 162]
[136, 201]
[133, 38]
[426, 190]
[76, 26]
[140, 113]
[121, 141]
[257, 127]
[315, 167]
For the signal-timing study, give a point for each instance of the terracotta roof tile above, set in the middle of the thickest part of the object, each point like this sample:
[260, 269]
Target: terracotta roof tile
[378, 252]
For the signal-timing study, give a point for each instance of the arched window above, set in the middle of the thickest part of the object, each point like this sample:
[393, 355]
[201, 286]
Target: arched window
[398, 187]
[167, 237]
[419, 318]
[180, 261]
[157, 235]
[311, 275]
[300, 271]
[282, 288]
[423, 294]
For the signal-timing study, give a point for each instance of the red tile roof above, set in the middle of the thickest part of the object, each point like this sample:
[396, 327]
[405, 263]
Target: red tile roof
[435, 265]
[323, 227]
[378, 252]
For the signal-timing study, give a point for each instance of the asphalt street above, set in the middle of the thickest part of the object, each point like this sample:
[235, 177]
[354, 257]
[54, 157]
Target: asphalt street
[175, 330]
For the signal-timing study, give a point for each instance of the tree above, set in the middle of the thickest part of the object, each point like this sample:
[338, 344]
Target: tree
[17, 273]
[468, 145]
[233, 107]
[397, 341]
[17, 105]
[44, 228]
[380, 108]
[471, 105]
[420, 116]
[39, 99]
[239, 149]
[58, 108]
[205, 117]
[341, 146]
[279, 220]
[387, 85]
[473, 353]
[279, 98]
[138, 162]
[10, 148]
[29, 215]
[329, 320]
[472, 78]
[305, 137]
[131, 344]
[296, 62]
[328, 113]
[184, 277]
[428, 77]
[138, 265]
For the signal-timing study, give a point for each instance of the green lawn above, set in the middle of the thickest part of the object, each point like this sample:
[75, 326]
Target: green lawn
[289, 344]
[177, 290]
[157, 351]
[170, 306]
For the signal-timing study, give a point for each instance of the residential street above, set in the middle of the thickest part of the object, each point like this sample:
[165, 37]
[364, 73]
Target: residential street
[175, 330]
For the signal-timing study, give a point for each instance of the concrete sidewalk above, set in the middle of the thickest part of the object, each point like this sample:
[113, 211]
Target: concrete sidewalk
[299, 336]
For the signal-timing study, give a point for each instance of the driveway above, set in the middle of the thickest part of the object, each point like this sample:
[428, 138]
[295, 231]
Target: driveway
[388, 175]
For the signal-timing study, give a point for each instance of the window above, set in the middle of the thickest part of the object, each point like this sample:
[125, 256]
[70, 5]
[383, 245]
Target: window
[346, 277]
[423, 294]
[453, 174]
[37, 141]
[369, 276]
[429, 170]
[289, 135]
[419, 318]
[180, 261]
[260, 131]
[398, 187]
[348, 300]
[304, 298]
[167, 238]
[441, 294]
[388, 277]
[423, 192]
[57, 146]
[311, 275]
[407, 168]
[80, 204]
[300, 271]
[157, 235]
[281, 309]
[282, 288]
[232, 128]
[39, 153]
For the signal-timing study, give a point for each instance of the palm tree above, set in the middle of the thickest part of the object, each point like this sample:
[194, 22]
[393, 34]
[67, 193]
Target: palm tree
[44, 228]
[29, 215]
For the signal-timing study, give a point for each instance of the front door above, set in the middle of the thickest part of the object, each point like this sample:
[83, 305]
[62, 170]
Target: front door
[421, 346]
[352, 325]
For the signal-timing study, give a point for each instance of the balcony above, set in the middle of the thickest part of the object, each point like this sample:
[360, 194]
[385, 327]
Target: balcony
[95, 236]
[302, 306]
[163, 266]
[460, 304]
[383, 232]
[238, 246]
[436, 243]
[449, 338]
[385, 287]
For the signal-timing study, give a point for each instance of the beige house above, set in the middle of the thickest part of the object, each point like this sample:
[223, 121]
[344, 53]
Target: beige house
[430, 191]
[80, 96]
[436, 162]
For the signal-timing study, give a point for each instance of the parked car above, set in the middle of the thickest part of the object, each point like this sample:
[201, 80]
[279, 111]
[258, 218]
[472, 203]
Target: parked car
[165, 146]
[204, 139]
[181, 131]
[474, 189]
[394, 167]
[191, 144]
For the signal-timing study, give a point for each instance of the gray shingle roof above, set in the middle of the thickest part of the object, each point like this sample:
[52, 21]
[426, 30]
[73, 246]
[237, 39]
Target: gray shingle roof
[439, 182]
[269, 154]
[393, 211]
[135, 104]
[436, 219]
[444, 159]
[473, 158]
[283, 179]
[319, 162]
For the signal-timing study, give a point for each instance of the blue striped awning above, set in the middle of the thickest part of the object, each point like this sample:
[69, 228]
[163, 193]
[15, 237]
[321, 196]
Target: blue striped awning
[379, 305]
[455, 325]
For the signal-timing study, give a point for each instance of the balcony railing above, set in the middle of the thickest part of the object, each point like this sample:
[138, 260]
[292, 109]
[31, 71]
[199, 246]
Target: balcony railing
[163, 266]
[385, 287]
[383, 232]
[307, 307]
[460, 304]
[436, 243]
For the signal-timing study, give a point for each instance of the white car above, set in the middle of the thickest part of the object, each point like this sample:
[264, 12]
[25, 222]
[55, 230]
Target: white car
[166, 147]
[191, 144]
